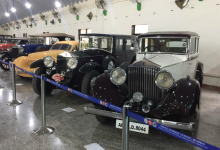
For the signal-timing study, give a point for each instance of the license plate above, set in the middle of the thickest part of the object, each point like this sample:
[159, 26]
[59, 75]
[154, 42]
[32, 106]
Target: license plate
[133, 126]
[57, 77]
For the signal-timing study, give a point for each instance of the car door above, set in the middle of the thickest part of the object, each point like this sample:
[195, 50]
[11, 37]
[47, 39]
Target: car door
[119, 52]
[130, 50]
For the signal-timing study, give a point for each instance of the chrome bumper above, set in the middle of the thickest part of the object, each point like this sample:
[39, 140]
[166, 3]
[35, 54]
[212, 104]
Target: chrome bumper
[171, 124]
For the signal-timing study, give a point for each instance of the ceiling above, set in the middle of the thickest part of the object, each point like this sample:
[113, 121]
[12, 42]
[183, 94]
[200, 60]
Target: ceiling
[38, 6]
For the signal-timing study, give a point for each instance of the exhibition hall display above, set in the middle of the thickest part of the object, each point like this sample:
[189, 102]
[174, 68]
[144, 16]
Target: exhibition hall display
[109, 75]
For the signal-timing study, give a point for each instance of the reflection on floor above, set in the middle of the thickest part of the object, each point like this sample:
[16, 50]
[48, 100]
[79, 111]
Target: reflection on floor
[76, 129]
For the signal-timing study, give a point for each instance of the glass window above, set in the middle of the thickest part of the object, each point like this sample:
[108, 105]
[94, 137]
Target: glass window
[119, 44]
[83, 31]
[65, 47]
[89, 31]
[164, 45]
[98, 42]
[56, 47]
[193, 45]
[40, 40]
[139, 29]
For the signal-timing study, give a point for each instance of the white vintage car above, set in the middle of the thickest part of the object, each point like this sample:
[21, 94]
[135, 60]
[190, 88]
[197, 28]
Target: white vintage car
[163, 83]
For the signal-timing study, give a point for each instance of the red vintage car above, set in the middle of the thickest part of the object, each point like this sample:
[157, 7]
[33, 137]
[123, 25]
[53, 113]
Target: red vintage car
[8, 43]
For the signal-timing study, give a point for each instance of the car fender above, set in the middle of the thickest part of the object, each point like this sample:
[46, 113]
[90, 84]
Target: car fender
[91, 66]
[104, 89]
[6, 53]
[37, 63]
[106, 61]
[21, 62]
[181, 100]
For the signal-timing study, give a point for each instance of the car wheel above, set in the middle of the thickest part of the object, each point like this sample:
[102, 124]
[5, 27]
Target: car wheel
[36, 83]
[188, 120]
[86, 88]
[4, 66]
[102, 119]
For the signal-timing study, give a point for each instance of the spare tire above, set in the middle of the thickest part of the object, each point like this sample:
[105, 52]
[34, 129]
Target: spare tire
[108, 62]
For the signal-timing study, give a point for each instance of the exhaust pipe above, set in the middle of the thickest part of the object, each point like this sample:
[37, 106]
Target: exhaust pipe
[171, 124]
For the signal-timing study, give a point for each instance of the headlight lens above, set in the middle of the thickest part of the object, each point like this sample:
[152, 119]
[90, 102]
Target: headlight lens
[48, 61]
[138, 97]
[72, 63]
[164, 80]
[8, 48]
[118, 76]
[21, 50]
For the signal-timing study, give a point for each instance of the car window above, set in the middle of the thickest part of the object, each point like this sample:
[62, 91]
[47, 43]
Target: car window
[23, 42]
[165, 45]
[119, 44]
[65, 47]
[193, 45]
[56, 47]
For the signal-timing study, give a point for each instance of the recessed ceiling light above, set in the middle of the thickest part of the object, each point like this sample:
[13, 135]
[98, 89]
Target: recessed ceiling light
[57, 4]
[13, 9]
[28, 5]
[7, 14]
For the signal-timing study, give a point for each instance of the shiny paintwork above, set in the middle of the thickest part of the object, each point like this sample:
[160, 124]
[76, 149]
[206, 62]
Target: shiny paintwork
[25, 61]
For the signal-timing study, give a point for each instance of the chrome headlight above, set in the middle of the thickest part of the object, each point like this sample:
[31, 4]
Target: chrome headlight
[48, 61]
[164, 80]
[72, 63]
[8, 48]
[21, 50]
[138, 97]
[118, 76]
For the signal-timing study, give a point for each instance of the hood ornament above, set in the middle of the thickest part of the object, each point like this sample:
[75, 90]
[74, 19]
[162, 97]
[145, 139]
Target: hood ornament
[181, 3]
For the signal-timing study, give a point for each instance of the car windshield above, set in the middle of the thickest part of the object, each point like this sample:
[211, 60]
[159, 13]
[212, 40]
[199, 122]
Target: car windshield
[163, 45]
[13, 41]
[36, 40]
[100, 42]
[65, 47]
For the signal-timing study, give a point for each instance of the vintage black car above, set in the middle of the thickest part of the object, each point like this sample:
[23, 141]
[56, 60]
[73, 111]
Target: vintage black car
[163, 83]
[97, 52]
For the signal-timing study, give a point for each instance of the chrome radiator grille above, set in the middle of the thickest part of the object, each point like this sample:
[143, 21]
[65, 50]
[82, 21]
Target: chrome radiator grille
[61, 64]
[142, 79]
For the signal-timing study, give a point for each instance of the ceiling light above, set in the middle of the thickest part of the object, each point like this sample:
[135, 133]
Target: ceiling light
[13, 9]
[7, 14]
[57, 4]
[28, 5]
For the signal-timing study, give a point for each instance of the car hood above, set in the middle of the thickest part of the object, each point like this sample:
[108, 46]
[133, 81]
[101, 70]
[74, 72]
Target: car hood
[41, 55]
[161, 60]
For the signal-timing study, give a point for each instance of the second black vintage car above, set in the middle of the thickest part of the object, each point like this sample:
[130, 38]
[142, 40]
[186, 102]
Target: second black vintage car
[97, 52]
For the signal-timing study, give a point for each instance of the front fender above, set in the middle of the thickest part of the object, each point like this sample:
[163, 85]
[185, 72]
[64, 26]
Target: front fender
[102, 88]
[37, 63]
[6, 53]
[91, 66]
[21, 62]
[181, 100]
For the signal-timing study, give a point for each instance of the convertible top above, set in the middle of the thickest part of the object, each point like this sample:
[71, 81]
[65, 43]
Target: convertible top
[60, 36]
[170, 33]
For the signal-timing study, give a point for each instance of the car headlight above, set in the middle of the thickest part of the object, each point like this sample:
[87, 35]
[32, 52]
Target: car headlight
[8, 48]
[118, 76]
[48, 61]
[21, 50]
[138, 97]
[164, 80]
[72, 63]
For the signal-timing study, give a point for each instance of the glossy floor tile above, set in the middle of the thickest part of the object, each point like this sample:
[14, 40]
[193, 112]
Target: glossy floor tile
[76, 129]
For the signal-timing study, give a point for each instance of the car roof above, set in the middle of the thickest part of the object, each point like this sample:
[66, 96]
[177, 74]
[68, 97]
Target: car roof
[66, 42]
[53, 35]
[170, 33]
[100, 34]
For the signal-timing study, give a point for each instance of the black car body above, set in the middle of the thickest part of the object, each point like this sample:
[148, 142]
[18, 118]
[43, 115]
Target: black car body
[98, 52]
[175, 103]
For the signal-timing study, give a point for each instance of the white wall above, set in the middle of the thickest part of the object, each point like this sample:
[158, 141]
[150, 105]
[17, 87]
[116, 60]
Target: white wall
[203, 19]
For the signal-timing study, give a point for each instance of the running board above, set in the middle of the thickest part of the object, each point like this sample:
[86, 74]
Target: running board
[171, 124]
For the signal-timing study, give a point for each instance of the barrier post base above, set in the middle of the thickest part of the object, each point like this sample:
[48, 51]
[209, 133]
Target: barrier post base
[44, 131]
[14, 103]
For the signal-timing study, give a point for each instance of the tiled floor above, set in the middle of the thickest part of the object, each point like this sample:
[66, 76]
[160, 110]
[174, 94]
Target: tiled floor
[76, 129]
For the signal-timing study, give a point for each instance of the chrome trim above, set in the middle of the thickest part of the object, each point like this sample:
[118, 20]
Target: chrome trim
[171, 124]
[112, 78]
[165, 72]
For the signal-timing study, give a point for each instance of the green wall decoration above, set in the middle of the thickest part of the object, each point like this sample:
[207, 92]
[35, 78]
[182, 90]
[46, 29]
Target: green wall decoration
[138, 6]
[45, 22]
[77, 17]
[105, 12]
[59, 20]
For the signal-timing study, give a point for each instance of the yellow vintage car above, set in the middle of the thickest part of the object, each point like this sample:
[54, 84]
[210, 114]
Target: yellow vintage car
[58, 48]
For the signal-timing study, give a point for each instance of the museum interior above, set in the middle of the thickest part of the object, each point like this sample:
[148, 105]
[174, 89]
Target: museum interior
[109, 75]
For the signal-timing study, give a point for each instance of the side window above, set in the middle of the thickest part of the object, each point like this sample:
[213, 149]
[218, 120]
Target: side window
[129, 45]
[193, 45]
[197, 45]
[119, 44]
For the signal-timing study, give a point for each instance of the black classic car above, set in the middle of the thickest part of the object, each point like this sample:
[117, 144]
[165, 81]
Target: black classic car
[163, 83]
[97, 53]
